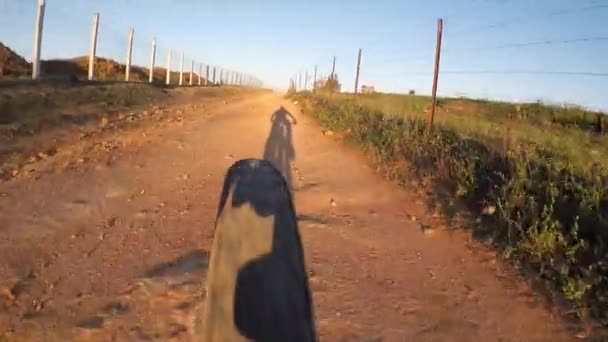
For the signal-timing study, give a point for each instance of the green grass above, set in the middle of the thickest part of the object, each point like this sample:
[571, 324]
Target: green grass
[547, 180]
[567, 133]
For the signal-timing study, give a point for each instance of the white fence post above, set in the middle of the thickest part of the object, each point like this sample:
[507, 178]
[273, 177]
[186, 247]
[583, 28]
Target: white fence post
[129, 55]
[152, 61]
[181, 70]
[207, 75]
[38, 41]
[192, 72]
[200, 74]
[169, 68]
[93, 49]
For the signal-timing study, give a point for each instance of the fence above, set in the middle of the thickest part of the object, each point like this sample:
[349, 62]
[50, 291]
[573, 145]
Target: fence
[118, 55]
[440, 72]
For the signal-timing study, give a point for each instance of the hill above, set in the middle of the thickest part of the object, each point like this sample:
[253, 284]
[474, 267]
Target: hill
[12, 65]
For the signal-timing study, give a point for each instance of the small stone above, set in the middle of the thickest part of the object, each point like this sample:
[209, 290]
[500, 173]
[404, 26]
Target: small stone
[7, 293]
[489, 210]
[295, 102]
[141, 214]
[427, 229]
[14, 173]
[328, 132]
[413, 218]
[112, 221]
[103, 122]
[332, 202]
[186, 176]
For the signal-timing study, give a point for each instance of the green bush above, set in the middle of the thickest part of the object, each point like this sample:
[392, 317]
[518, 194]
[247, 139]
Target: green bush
[549, 214]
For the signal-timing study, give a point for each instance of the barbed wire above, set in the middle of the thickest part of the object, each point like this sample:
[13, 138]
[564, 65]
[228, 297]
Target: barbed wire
[525, 72]
[453, 52]
[524, 19]
[501, 72]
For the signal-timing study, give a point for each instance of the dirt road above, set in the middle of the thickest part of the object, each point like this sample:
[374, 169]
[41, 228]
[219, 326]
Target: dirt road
[114, 246]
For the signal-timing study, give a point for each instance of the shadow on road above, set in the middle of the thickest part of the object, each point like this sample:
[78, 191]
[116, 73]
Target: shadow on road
[195, 261]
[257, 285]
[279, 150]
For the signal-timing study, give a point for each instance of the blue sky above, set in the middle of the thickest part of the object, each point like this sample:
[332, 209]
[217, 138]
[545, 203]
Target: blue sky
[274, 39]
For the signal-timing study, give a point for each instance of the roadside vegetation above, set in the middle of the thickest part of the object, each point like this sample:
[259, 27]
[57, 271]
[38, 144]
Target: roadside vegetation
[535, 175]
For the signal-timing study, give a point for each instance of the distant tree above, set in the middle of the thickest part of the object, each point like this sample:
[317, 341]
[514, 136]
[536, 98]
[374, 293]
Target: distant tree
[412, 92]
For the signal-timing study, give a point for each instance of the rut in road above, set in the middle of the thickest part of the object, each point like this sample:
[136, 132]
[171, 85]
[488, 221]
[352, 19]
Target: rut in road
[120, 249]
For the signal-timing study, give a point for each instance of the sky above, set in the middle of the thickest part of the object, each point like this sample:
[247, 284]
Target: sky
[515, 50]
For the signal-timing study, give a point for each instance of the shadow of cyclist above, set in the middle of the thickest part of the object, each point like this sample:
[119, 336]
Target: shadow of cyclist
[279, 150]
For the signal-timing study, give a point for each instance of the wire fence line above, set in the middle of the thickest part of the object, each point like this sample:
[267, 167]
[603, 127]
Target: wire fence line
[107, 53]
[429, 68]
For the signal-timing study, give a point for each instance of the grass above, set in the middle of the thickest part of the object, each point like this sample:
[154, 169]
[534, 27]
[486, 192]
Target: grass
[540, 169]
[30, 108]
[567, 133]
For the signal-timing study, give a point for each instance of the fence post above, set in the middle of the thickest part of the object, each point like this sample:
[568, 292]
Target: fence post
[300, 80]
[129, 55]
[214, 69]
[191, 72]
[436, 73]
[200, 74]
[38, 40]
[306, 80]
[314, 80]
[169, 67]
[181, 70]
[221, 76]
[93, 48]
[207, 75]
[357, 75]
[152, 61]
[333, 68]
